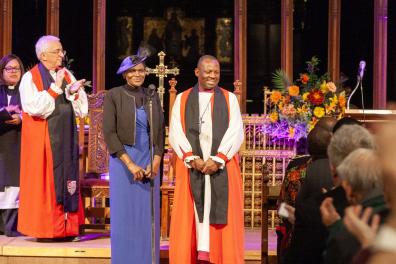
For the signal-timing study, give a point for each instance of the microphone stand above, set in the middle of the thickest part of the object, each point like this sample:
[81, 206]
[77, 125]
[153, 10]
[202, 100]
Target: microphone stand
[359, 80]
[361, 91]
[153, 253]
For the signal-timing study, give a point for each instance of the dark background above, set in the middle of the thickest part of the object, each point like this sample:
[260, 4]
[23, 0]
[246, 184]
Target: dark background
[263, 38]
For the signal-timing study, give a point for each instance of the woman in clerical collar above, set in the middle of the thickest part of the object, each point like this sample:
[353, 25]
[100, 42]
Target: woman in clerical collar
[11, 70]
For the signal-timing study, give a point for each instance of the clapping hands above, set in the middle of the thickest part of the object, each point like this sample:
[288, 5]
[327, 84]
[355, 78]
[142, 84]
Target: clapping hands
[76, 86]
[60, 75]
[362, 224]
[328, 212]
[15, 111]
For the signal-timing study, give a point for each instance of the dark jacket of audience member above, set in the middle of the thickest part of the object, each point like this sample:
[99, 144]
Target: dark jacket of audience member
[294, 177]
[309, 237]
[361, 176]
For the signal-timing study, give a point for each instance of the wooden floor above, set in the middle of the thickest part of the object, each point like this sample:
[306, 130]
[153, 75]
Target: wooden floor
[95, 249]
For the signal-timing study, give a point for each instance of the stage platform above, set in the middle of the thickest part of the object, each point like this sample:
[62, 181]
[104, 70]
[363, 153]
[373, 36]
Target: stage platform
[95, 249]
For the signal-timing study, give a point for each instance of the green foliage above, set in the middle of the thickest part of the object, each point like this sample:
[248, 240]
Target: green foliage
[280, 80]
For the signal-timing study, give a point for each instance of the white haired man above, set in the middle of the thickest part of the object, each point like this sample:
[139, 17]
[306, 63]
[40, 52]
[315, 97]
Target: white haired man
[49, 189]
[351, 153]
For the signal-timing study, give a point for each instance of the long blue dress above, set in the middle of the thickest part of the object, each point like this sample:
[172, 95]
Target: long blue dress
[130, 203]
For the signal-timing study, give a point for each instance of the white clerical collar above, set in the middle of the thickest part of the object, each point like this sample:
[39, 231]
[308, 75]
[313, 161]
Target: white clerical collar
[202, 90]
[52, 72]
[11, 87]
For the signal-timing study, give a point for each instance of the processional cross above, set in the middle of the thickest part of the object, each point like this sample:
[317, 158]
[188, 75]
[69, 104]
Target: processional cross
[161, 71]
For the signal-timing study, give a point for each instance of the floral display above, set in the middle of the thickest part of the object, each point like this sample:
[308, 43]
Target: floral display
[296, 107]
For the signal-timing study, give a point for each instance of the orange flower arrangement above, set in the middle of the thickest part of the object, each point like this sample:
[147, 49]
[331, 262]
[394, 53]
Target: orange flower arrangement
[296, 107]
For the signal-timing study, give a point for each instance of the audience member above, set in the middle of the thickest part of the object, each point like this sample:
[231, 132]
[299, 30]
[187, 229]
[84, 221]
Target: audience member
[11, 70]
[361, 177]
[309, 235]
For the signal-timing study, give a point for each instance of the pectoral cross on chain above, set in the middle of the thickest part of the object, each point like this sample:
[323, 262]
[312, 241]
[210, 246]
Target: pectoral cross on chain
[161, 71]
[200, 123]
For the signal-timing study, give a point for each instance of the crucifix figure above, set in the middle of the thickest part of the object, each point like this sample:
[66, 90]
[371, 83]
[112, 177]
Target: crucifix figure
[161, 71]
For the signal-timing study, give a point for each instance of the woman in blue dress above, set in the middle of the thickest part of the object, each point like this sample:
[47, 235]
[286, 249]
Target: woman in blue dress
[126, 128]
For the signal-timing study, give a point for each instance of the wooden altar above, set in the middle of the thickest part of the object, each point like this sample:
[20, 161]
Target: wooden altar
[372, 118]
[371, 115]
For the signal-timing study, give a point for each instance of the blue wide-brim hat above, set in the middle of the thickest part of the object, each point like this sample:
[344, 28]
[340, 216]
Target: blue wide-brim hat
[130, 62]
[143, 53]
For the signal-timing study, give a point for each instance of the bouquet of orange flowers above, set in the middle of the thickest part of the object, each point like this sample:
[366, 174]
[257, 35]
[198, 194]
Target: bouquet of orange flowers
[296, 107]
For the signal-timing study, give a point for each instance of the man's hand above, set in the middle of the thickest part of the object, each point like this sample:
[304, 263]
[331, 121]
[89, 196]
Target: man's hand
[197, 164]
[358, 224]
[16, 120]
[328, 211]
[76, 86]
[60, 75]
[210, 167]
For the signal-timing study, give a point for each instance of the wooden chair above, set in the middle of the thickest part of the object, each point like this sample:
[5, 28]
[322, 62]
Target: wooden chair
[94, 189]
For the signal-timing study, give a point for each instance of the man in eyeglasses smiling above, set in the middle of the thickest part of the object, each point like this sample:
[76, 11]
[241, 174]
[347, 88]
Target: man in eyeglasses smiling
[49, 191]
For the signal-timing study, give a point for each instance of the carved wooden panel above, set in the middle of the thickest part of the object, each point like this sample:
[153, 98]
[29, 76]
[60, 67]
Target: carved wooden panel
[98, 156]
[261, 155]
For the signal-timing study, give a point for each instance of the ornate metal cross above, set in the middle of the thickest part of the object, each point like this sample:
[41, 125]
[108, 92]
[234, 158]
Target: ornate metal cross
[161, 71]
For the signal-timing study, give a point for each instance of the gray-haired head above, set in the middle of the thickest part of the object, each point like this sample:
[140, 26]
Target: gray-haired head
[361, 169]
[347, 139]
[42, 44]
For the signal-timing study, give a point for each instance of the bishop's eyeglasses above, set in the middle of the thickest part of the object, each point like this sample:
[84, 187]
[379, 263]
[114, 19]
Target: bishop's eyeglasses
[58, 52]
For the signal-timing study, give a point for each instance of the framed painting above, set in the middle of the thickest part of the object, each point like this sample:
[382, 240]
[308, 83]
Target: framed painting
[153, 33]
[181, 38]
[193, 38]
[124, 39]
[224, 41]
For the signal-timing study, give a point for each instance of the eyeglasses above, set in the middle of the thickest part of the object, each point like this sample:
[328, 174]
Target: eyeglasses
[12, 69]
[58, 51]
